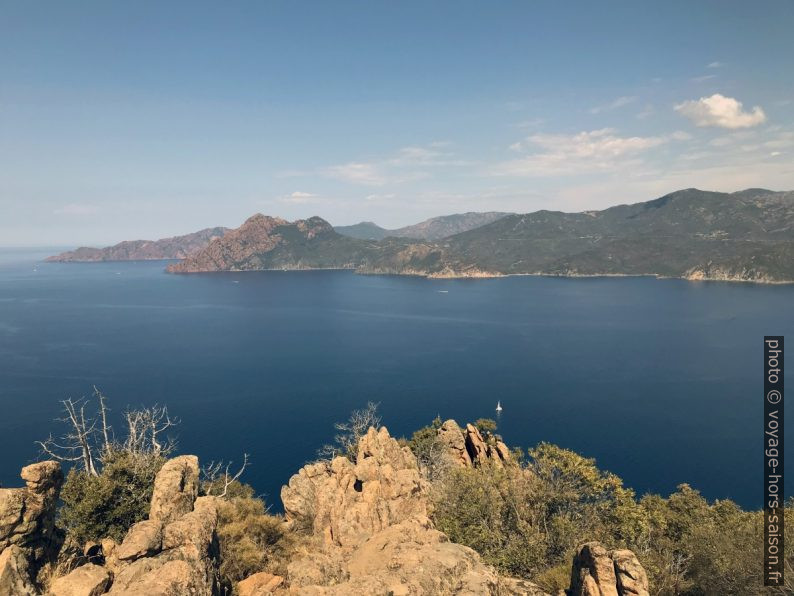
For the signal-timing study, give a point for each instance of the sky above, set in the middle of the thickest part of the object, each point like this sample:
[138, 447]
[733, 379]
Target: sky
[146, 119]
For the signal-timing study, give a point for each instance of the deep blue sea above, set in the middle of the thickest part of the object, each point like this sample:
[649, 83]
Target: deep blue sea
[659, 380]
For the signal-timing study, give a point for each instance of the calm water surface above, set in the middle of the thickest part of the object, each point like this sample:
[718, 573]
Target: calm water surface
[659, 380]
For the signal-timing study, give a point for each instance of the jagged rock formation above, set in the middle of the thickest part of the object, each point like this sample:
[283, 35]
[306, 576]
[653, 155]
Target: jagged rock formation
[370, 518]
[346, 503]
[466, 447]
[598, 572]
[178, 247]
[27, 515]
[368, 534]
[174, 551]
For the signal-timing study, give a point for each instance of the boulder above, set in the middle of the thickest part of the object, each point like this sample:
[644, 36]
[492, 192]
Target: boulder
[175, 489]
[593, 572]
[259, 584]
[14, 578]
[168, 578]
[598, 572]
[450, 435]
[143, 539]
[631, 576]
[27, 515]
[88, 580]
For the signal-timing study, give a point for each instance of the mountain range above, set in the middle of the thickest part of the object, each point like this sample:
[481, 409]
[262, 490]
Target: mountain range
[692, 234]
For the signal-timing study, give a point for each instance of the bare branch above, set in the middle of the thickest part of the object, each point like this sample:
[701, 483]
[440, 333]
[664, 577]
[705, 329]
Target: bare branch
[212, 477]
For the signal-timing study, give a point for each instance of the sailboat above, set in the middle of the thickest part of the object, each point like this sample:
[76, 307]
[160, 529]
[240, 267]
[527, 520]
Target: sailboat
[498, 406]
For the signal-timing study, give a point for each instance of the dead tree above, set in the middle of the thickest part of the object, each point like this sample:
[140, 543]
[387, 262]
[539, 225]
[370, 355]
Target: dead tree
[350, 432]
[77, 445]
[89, 440]
[217, 478]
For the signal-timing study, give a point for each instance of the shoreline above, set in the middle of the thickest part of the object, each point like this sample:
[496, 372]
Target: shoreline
[497, 275]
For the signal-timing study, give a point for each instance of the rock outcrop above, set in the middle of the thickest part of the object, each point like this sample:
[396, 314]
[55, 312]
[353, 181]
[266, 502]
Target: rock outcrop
[259, 584]
[345, 503]
[175, 551]
[14, 573]
[466, 447]
[598, 572]
[451, 437]
[27, 515]
[175, 489]
[87, 580]
[370, 519]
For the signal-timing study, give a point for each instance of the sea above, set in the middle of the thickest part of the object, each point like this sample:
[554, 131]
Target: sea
[659, 380]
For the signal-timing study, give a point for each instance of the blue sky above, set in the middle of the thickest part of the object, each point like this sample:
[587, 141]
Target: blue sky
[123, 120]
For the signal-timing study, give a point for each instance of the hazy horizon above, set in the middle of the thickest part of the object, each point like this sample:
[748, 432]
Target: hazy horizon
[146, 120]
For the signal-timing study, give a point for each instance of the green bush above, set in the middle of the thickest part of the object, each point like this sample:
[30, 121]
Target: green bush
[96, 507]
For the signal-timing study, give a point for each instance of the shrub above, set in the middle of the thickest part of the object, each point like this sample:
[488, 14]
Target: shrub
[486, 426]
[250, 539]
[489, 509]
[108, 504]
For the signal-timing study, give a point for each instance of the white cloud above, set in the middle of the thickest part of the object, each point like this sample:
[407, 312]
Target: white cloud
[299, 198]
[714, 65]
[407, 164]
[704, 78]
[76, 209]
[357, 173]
[624, 100]
[720, 111]
[585, 152]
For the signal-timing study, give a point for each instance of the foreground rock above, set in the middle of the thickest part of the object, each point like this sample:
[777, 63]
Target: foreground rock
[14, 573]
[175, 488]
[370, 520]
[598, 572]
[259, 584]
[27, 515]
[175, 551]
[88, 580]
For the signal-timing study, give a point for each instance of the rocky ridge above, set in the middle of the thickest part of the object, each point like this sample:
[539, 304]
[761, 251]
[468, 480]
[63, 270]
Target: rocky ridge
[366, 523]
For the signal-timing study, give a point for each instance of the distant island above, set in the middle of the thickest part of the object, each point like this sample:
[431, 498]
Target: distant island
[691, 234]
[178, 247]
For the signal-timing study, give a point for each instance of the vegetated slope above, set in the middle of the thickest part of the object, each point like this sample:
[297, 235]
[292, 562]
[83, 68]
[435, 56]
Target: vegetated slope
[690, 233]
[437, 228]
[177, 247]
[365, 230]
